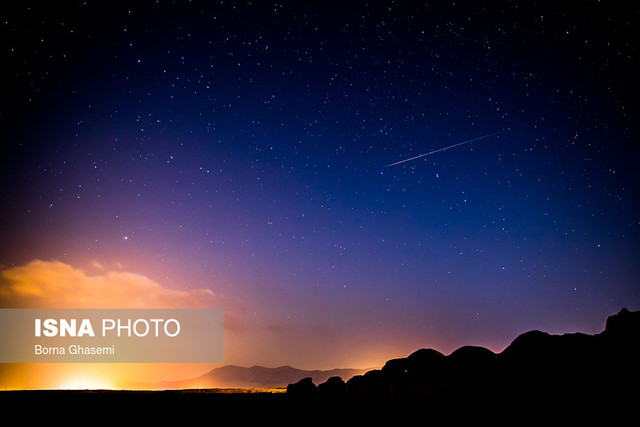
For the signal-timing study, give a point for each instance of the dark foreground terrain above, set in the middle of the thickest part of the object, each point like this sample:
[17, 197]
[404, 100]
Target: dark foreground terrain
[539, 376]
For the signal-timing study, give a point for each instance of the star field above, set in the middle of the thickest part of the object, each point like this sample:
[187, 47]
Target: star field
[241, 147]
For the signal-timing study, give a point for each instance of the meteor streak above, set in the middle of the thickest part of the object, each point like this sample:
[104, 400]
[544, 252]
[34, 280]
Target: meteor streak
[443, 149]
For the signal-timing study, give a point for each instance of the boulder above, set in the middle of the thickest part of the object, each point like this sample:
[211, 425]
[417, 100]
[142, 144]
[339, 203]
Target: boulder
[303, 388]
[334, 387]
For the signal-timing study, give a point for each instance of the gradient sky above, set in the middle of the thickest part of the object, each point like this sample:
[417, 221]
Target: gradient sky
[240, 149]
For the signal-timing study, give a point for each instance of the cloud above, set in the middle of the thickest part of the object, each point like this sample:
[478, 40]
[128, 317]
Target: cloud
[54, 284]
[97, 265]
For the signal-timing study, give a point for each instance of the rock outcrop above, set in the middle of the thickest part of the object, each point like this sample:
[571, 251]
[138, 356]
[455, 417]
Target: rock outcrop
[536, 369]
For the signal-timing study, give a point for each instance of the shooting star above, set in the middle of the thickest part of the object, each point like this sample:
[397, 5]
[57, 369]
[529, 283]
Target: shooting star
[443, 149]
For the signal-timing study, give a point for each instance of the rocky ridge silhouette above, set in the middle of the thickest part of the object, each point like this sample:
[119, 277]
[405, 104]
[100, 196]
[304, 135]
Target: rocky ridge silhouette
[536, 369]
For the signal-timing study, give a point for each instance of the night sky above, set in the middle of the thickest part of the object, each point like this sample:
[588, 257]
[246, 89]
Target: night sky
[242, 148]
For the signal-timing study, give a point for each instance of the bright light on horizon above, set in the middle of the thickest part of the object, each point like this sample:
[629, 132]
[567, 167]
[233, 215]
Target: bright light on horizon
[86, 383]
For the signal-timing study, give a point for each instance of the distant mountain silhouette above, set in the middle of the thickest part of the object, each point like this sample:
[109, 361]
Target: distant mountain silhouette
[537, 370]
[254, 377]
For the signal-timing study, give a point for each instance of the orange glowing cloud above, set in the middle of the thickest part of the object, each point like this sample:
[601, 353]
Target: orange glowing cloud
[54, 284]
